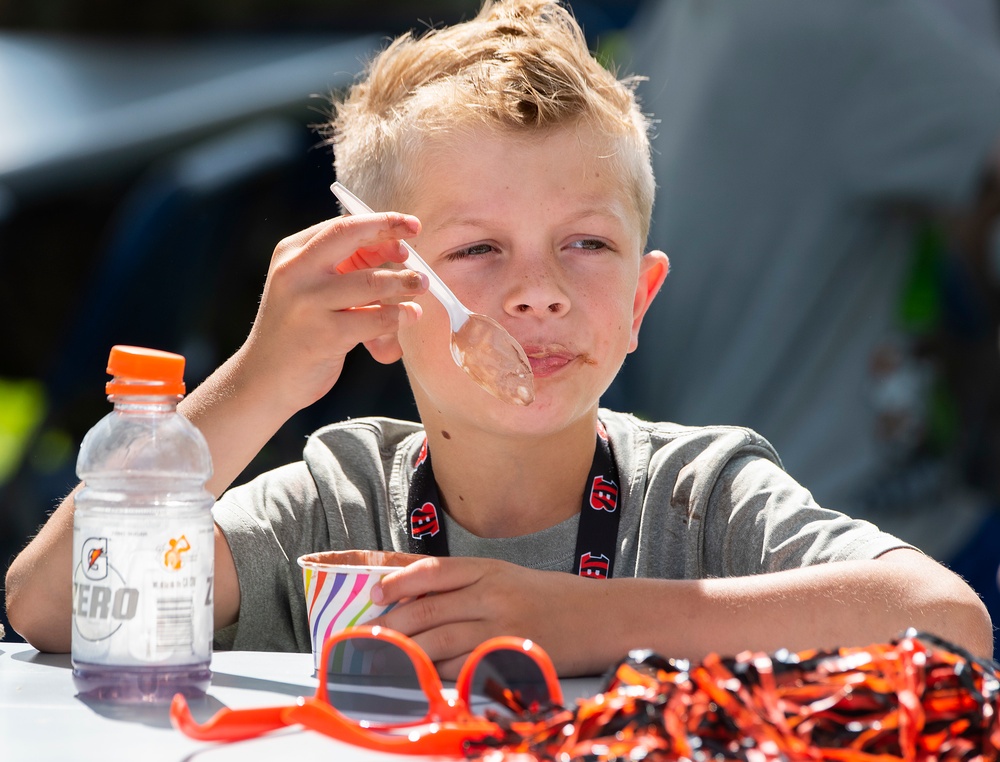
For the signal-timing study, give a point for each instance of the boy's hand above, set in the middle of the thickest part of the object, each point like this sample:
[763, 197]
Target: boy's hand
[325, 294]
[468, 600]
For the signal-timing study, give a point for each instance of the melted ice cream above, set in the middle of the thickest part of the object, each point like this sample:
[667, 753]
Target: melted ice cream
[493, 359]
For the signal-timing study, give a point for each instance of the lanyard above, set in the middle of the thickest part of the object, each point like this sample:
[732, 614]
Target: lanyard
[596, 537]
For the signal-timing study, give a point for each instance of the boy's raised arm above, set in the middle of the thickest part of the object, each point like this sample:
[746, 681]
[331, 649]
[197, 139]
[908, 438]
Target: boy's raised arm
[323, 296]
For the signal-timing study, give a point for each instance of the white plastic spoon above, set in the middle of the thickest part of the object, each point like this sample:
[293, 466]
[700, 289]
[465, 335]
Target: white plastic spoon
[479, 344]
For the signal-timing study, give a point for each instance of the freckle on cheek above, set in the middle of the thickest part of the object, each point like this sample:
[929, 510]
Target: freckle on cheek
[445, 434]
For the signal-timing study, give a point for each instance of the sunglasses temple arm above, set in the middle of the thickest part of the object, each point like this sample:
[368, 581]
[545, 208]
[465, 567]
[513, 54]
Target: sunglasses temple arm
[441, 741]
[555, 687]
[226, 724]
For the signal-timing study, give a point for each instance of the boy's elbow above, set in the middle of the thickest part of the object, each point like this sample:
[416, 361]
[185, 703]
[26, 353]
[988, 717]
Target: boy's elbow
[974, 625]
[958, 614]
[30, 618]
[941, 603]
[961, 617]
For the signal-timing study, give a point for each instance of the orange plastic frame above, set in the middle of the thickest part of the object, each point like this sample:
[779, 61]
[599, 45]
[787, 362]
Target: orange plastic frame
[447, 726]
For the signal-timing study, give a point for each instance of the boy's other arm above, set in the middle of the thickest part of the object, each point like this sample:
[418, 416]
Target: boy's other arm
[40, 591]
[39, 584]
[849, 603]
[587, 625]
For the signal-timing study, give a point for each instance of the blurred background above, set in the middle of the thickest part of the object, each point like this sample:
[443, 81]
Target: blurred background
[151, 156]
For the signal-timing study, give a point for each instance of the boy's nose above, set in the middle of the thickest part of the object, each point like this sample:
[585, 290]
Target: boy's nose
[555, 308]
[538, 293]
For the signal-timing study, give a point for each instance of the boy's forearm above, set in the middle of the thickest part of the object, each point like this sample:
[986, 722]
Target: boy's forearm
[853, 603]
[39, 585]
[234, 411]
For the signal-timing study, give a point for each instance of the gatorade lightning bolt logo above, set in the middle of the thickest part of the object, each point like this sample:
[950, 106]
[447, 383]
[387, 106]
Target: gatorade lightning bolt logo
[595, 567]
[604, 495]
[95, 558]
[424, 521]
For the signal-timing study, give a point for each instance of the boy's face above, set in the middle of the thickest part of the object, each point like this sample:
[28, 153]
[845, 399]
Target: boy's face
[540, 236]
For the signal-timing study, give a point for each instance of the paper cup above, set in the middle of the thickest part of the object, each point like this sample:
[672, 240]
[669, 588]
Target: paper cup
[338, 587]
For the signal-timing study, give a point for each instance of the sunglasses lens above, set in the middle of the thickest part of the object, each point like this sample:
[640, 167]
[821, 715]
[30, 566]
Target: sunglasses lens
[508, 681]
[374, 682]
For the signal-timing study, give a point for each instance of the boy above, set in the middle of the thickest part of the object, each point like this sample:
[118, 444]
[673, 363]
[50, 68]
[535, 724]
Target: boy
[524, 167]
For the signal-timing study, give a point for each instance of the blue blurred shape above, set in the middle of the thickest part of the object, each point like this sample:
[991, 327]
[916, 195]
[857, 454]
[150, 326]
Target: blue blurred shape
[72, 109]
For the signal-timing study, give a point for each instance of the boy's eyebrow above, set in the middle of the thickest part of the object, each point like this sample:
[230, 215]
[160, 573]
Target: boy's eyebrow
[460, 221]
[482, 222]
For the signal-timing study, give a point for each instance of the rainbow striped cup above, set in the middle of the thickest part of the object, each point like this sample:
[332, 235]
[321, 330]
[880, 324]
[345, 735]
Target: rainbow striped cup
[338, 586]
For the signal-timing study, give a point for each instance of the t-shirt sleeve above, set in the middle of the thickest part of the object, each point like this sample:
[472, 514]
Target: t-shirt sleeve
[761, 520]
[268, 523]
[915, 109]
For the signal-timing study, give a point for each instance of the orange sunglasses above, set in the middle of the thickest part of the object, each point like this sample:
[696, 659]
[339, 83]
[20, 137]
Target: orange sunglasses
[379, 690]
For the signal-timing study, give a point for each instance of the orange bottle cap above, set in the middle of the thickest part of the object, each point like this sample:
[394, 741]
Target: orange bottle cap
[145, 372]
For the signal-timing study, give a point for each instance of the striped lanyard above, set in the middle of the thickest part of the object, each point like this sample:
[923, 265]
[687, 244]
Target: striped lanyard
[597, 534]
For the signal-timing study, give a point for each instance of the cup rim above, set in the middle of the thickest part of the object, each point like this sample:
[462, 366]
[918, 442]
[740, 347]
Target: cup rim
[356, 560]
[348, 568]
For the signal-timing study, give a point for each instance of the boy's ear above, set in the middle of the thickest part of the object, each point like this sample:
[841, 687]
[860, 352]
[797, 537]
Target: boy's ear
[653, 271]
[385, 349]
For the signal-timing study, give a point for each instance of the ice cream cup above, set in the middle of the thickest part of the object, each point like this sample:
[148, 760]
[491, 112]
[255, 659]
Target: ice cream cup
[338, 585]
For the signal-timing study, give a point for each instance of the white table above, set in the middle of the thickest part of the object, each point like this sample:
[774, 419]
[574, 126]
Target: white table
[42, 720]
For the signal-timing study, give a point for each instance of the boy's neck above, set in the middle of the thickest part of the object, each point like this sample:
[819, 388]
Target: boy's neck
[512, 486]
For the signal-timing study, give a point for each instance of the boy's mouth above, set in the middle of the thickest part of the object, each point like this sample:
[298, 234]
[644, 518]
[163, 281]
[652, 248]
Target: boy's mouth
[549, 359]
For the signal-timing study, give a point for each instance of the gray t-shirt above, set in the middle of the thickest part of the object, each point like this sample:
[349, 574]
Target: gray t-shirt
[794, 140]
[695, 503]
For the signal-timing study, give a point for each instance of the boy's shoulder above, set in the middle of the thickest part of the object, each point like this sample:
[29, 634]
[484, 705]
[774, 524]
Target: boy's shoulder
[670, 464]
[655, 439]
[368, 437]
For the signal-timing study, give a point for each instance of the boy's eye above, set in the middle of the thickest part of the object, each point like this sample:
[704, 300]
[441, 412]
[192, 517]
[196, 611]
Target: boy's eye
[590, 244]
[477, 249]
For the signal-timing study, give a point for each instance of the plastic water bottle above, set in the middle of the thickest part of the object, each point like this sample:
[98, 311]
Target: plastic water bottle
[143, 543]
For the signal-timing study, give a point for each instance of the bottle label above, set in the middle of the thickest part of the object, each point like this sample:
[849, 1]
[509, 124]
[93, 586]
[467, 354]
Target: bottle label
[142, 590]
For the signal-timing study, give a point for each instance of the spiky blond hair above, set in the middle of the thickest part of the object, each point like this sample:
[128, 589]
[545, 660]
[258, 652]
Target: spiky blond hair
[519, 66]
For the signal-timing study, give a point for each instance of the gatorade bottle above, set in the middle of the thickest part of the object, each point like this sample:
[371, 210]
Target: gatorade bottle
[143, 544]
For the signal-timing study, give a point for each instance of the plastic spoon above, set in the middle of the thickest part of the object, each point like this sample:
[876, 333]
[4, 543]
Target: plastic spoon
[479, 344]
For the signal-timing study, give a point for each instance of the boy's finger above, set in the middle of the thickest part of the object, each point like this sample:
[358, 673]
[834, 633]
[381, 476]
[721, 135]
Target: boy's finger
[342, 237]
[373, 256]
[449, 646]
[367, 287]
[436, 621]
[364, 324]
[429, 575]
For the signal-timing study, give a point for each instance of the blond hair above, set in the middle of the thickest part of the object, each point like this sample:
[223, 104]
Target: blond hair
[518, 66]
